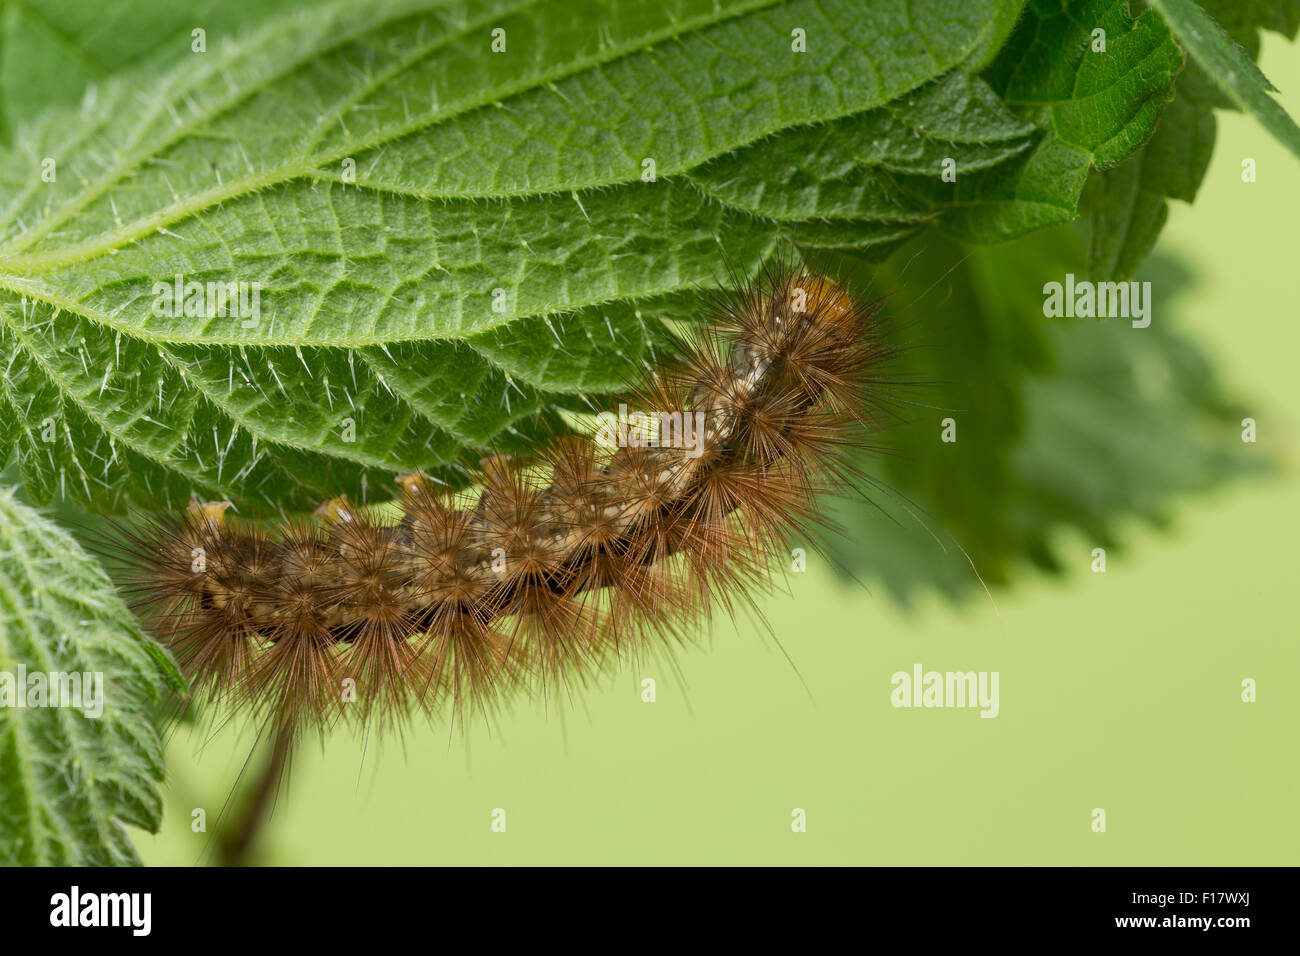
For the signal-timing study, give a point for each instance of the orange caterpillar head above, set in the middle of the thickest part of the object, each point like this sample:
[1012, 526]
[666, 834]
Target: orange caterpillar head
[826, 301]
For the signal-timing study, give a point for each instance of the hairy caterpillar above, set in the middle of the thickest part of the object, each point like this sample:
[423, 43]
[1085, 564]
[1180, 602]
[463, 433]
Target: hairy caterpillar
[566, 561]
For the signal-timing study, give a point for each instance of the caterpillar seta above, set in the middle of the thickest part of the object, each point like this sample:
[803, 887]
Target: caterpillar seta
[576, 557]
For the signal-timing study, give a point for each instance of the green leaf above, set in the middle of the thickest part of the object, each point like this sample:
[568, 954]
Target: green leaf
[1095, 109]
[999, 27]
[1067, 426]
[1127, 205]
[70, 782]
[845, 170]
[1229, 66]
[72, 45]
[449, 243]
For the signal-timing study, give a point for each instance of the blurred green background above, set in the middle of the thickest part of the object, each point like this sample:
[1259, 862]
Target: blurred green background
[1119, 690]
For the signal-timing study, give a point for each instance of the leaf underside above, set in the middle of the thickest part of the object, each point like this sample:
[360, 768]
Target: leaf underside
[455, 245]
[451, 244]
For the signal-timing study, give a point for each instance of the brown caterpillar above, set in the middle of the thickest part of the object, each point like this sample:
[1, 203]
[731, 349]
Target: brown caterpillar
[565, 562]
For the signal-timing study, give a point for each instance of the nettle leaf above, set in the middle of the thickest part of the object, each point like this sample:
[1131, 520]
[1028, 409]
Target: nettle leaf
[1059, 430]
[448, 243]
[1127, 205]
[71, 780]
[995, 36]
[845, 170]
[51, 52]
[1229, 66]
[1095, 107]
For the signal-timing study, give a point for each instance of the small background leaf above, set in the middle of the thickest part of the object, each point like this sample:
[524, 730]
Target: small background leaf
[1063, 425]
[1127, 204]
[1229, 67]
